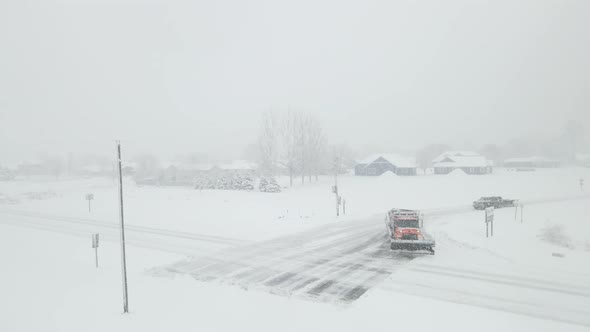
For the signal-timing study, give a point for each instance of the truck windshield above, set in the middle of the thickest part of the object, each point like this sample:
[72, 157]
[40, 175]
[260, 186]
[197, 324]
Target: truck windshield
[407, 223]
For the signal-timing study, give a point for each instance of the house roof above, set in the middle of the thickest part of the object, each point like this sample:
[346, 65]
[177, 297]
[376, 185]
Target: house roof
[463, 161]
[231, 165]
[190, 166]
[239, 165]
[529, 159]
[455, 153]
[394, 159]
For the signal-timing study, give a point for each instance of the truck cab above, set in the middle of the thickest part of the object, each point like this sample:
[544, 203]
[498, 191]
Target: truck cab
[406, 227]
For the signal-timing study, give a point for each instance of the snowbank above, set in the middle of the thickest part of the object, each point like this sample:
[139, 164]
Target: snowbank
[457, 172]
[59, 289]
[388, 175]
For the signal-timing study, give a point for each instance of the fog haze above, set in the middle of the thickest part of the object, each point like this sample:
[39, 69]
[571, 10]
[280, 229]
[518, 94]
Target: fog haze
[172, 77]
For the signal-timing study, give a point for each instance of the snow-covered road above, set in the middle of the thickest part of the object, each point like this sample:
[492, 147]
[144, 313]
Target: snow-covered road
[340, 262]
[146, 237]
[531, 295]
[332, 263]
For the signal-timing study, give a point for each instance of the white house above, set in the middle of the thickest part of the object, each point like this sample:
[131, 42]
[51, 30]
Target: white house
[468, 161]
[378, 164]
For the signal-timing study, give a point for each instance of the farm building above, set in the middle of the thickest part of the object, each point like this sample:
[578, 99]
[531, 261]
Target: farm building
[378, 164]
[184, 174]
[242, 167]
[468, 161]
[531, 162]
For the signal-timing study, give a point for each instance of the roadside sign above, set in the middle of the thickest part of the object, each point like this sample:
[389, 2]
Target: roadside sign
[89, 197]
[95, 240]
[95, 247]
[489, 220]
[490, 214]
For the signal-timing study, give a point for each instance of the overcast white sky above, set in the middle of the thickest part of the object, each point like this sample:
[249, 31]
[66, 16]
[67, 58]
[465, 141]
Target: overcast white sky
[181, 76]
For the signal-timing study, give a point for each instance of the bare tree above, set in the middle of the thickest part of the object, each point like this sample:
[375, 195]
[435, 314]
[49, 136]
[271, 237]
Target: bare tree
[316, 146]
[294, 140]
[54, 165]
[147, 165]
[425, 155]
[492, 152]
[574, 134]
[343, 152]
[302, 127]
[290, 141]
[310, 144]
[269, 143]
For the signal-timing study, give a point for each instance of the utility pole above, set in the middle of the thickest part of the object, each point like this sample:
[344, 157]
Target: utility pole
[336, 169]
[123, 257]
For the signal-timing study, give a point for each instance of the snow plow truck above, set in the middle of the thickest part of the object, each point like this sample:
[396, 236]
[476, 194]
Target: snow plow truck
[405, 231]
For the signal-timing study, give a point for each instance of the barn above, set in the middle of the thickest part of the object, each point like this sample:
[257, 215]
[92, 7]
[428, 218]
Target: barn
[531, 162]
[378, 164]
[468, 161]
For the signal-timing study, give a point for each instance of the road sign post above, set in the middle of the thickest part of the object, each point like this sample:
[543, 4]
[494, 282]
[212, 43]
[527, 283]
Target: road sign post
[521, 213]
[95, 246]
[89, 197]
[335, 187]
[490, 220]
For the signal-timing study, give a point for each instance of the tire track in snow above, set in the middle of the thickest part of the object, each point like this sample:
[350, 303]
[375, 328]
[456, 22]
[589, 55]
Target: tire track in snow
[355, 258]
[458, 294]
[145, 237]
[512, 280]
[130, 227]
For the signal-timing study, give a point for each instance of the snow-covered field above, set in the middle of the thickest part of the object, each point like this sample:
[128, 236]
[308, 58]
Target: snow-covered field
[184, 246]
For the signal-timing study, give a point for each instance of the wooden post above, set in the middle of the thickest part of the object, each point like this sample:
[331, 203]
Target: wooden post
[123, 256]
[336, 169]
[95, 246]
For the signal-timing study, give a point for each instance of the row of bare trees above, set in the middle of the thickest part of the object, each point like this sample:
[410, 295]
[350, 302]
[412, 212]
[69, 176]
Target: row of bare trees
[291, 141]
